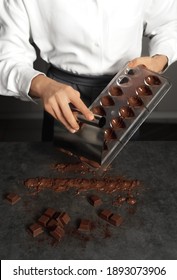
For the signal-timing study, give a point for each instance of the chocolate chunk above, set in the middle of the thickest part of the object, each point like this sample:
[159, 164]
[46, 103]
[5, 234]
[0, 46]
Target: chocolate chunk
[85, 226]
[35, 229]
[43, 220]
[52, 224]
[105, 214]
[115, 220]
[64, 218]
[13, 198]
[57, 232]
[95, 200]
[131, 201]
[50, 212]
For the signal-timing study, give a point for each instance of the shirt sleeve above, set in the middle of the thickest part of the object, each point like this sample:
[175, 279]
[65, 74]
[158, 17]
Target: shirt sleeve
[16, 53]
[161, 28]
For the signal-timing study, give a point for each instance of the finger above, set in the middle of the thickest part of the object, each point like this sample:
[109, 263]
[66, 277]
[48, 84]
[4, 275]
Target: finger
[56, 112]
[79, 104]
[66, 112]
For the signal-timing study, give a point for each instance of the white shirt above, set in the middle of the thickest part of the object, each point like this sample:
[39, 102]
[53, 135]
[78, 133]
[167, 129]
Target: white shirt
[91, 37]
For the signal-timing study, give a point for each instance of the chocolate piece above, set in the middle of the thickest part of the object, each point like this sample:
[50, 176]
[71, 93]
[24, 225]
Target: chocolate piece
[43, 220]
[85, 226]
[152, 80]
[117, 123]
[135, 101]
[50, 212]
[13, 198]
[131, 201]
[57, 233]
[98, 110]
[115, 91]
[119, 201]
[95, 200]
[126, 112]
[64, 218]
[52, 224]
[105, 214]
[109, 134]
[57, 218]
[143, 90]
[35, 229]
[107, 101]
[115, 220]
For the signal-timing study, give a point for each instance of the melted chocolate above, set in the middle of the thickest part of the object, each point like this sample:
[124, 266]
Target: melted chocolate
[143, 90]
[152, 80]
[126, 112]
[115, 91]
[107, 101]
[117, 123]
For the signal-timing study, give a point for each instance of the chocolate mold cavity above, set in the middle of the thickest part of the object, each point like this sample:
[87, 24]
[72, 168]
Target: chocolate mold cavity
[107, 101]
[143, 90]
[98, 110]
[115, 91]
[109, 134]
[135, 101]
[152, 80]
[117, 123]
[123, 80]
[126, 112]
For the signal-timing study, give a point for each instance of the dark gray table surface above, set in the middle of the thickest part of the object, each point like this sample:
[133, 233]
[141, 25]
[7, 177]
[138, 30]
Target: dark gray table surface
[149, 233]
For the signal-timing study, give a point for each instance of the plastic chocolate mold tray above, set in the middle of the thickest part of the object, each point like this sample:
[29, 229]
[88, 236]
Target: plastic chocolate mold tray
[126, 102]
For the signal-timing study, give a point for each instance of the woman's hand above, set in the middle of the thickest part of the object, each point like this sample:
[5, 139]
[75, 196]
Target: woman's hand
[56, 98]
[156, 63]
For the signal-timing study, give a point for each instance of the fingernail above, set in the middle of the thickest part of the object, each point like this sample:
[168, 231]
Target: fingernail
[91, 117]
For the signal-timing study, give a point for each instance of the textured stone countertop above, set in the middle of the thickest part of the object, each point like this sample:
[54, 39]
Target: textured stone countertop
[149, 228]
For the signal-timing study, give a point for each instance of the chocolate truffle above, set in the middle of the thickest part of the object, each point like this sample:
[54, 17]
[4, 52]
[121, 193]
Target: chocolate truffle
[13, 198]
[115, 91]
[143, 90]
[117, 123]
[107, 101]
[135, 101]
[152, 80]
[126, 112]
